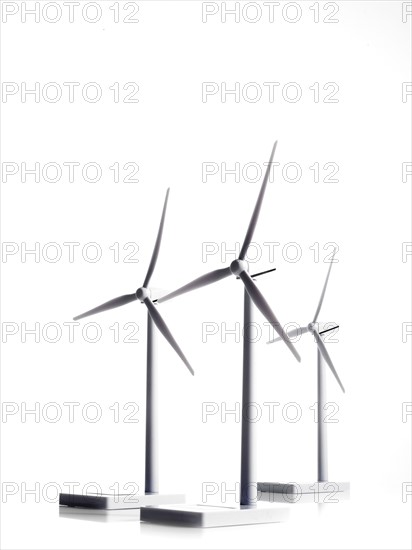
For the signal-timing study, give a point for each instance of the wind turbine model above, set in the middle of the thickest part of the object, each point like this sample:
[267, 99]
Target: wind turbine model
[151, 496]
[214, 516]
[293, 491]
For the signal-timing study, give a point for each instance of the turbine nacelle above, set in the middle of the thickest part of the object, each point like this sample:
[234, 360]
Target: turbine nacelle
[312, 327]
[142, 294]
[239, 266]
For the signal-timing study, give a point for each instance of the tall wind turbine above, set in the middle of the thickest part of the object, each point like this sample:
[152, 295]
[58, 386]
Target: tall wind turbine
[248, 513]
[323, 485]
[154, 319]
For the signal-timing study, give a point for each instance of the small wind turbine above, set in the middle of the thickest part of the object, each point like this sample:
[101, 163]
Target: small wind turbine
[151, 496]
[248, 513]
[323, 485]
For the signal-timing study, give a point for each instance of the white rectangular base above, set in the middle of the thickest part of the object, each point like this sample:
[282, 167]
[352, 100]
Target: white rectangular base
[290, 490]
[97, 501]
[101, 516]
[304, 498]
[198, 515]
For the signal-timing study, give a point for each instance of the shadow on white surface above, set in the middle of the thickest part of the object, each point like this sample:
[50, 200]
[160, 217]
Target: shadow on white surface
[170, 531]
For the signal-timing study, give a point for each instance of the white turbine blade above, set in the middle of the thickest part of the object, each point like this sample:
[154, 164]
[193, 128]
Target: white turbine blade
[161, 325]
[291, 334]
[324, 289]
[111, 304]
[156, 249]
[325, 355]
[261, 303]
[211, 277]
[256, 211]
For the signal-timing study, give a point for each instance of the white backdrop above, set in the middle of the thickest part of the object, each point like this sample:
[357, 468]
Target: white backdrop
[335, 94]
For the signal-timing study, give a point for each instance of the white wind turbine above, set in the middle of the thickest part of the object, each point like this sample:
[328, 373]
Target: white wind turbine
[293, 491]
[154, 319]
[214, 516]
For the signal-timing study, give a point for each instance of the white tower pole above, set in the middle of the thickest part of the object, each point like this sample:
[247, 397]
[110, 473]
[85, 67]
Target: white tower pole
[151, 462]
[322, 433]
[248, 479]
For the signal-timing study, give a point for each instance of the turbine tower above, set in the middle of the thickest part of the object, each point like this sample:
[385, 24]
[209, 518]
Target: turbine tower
[154, 319]
[323, 485]
[248, 513]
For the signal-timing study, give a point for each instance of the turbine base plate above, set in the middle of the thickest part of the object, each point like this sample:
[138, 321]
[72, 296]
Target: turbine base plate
[319, 492]
[99, 516]
[101, 501]
[201, 515]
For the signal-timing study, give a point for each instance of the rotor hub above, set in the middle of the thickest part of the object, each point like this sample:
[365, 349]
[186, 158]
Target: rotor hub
[142, 293]
[238, 266]
[311, 327]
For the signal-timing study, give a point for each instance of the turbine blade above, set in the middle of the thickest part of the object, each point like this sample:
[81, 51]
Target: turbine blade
[291, 334]
[111, 304]
[256, 211]
[209, 278]
[325, 355]
[161, 325]
[260, 302]
[157, 243]
[324, 289]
